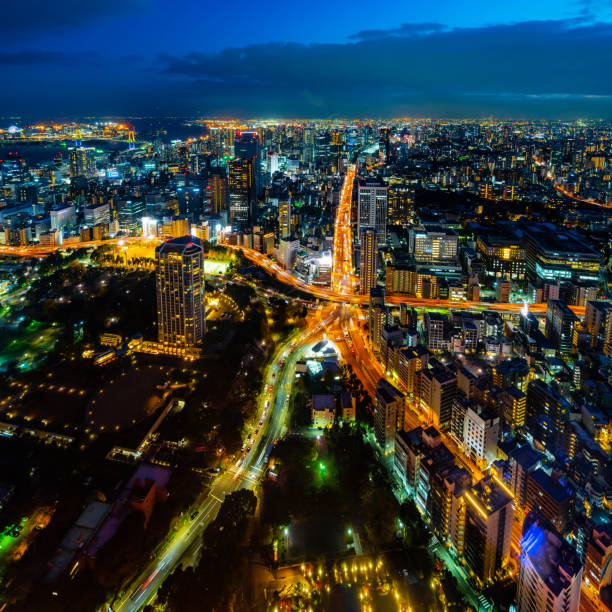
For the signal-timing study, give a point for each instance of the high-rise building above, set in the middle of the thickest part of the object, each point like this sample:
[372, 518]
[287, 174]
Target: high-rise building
[436, 325]
[372, 207]
[548, 413]
[488, 527]
[180, 291]
[548, 495]
[368, 240]
[388, 415]
[550, 572]
[437, 390]
[480, 434]
[284, 219]
[82, 162]
[410, 362]
[190, 201]
[217, 190]
[598, 322]
[130, 214]
[560, 321]
[247, 146]
[400, 203]
[242, 192]
[379, 316]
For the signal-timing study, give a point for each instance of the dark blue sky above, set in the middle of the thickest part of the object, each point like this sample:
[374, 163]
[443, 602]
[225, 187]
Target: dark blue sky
[310, 59]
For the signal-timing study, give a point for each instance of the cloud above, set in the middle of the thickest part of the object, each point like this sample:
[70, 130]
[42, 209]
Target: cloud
[413, 68]
[406, 29]
[32, 58]
[26, 18]
[545, 69]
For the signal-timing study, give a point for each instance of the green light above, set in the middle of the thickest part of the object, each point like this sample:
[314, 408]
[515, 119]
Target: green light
[322, 467]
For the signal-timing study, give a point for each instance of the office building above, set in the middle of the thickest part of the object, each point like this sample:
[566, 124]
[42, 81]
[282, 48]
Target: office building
[287, 251]
[130, 214]
[556, 254]
[190, 202]
[502, 256]
[62, 216]
[400, 203]
[432, 243]
[550, 572]
[242, 192]
[488, 528]
[372, 207]
[247, 146]
[217, 191]
[368, 240]
[96, 213]
[180, 291]
[82, 162]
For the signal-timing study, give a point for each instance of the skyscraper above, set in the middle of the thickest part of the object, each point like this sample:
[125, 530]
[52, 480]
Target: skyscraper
[82, 161]
[369, 259]
[241, 192]
[246, 146]
[372, 207]
[284, 219]
[180, 291]
[559, 329]
[488, 527]
[217, 190]
[598, 321]
[550, 573]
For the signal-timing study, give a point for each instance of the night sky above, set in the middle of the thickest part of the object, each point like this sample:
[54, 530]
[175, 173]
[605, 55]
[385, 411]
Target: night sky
[451, 58]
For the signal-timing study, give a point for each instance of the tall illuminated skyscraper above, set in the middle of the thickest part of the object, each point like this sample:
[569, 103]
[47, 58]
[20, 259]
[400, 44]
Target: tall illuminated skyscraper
[247, 146]
[369, 259]
[217, 190]
[372, 207]
[181, 316]
[242, 195]
[82, 161]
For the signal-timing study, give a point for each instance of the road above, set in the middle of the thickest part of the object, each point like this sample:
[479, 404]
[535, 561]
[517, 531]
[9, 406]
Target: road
[285, 276]
[245, 472]
[341, 295]
[342, 281]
